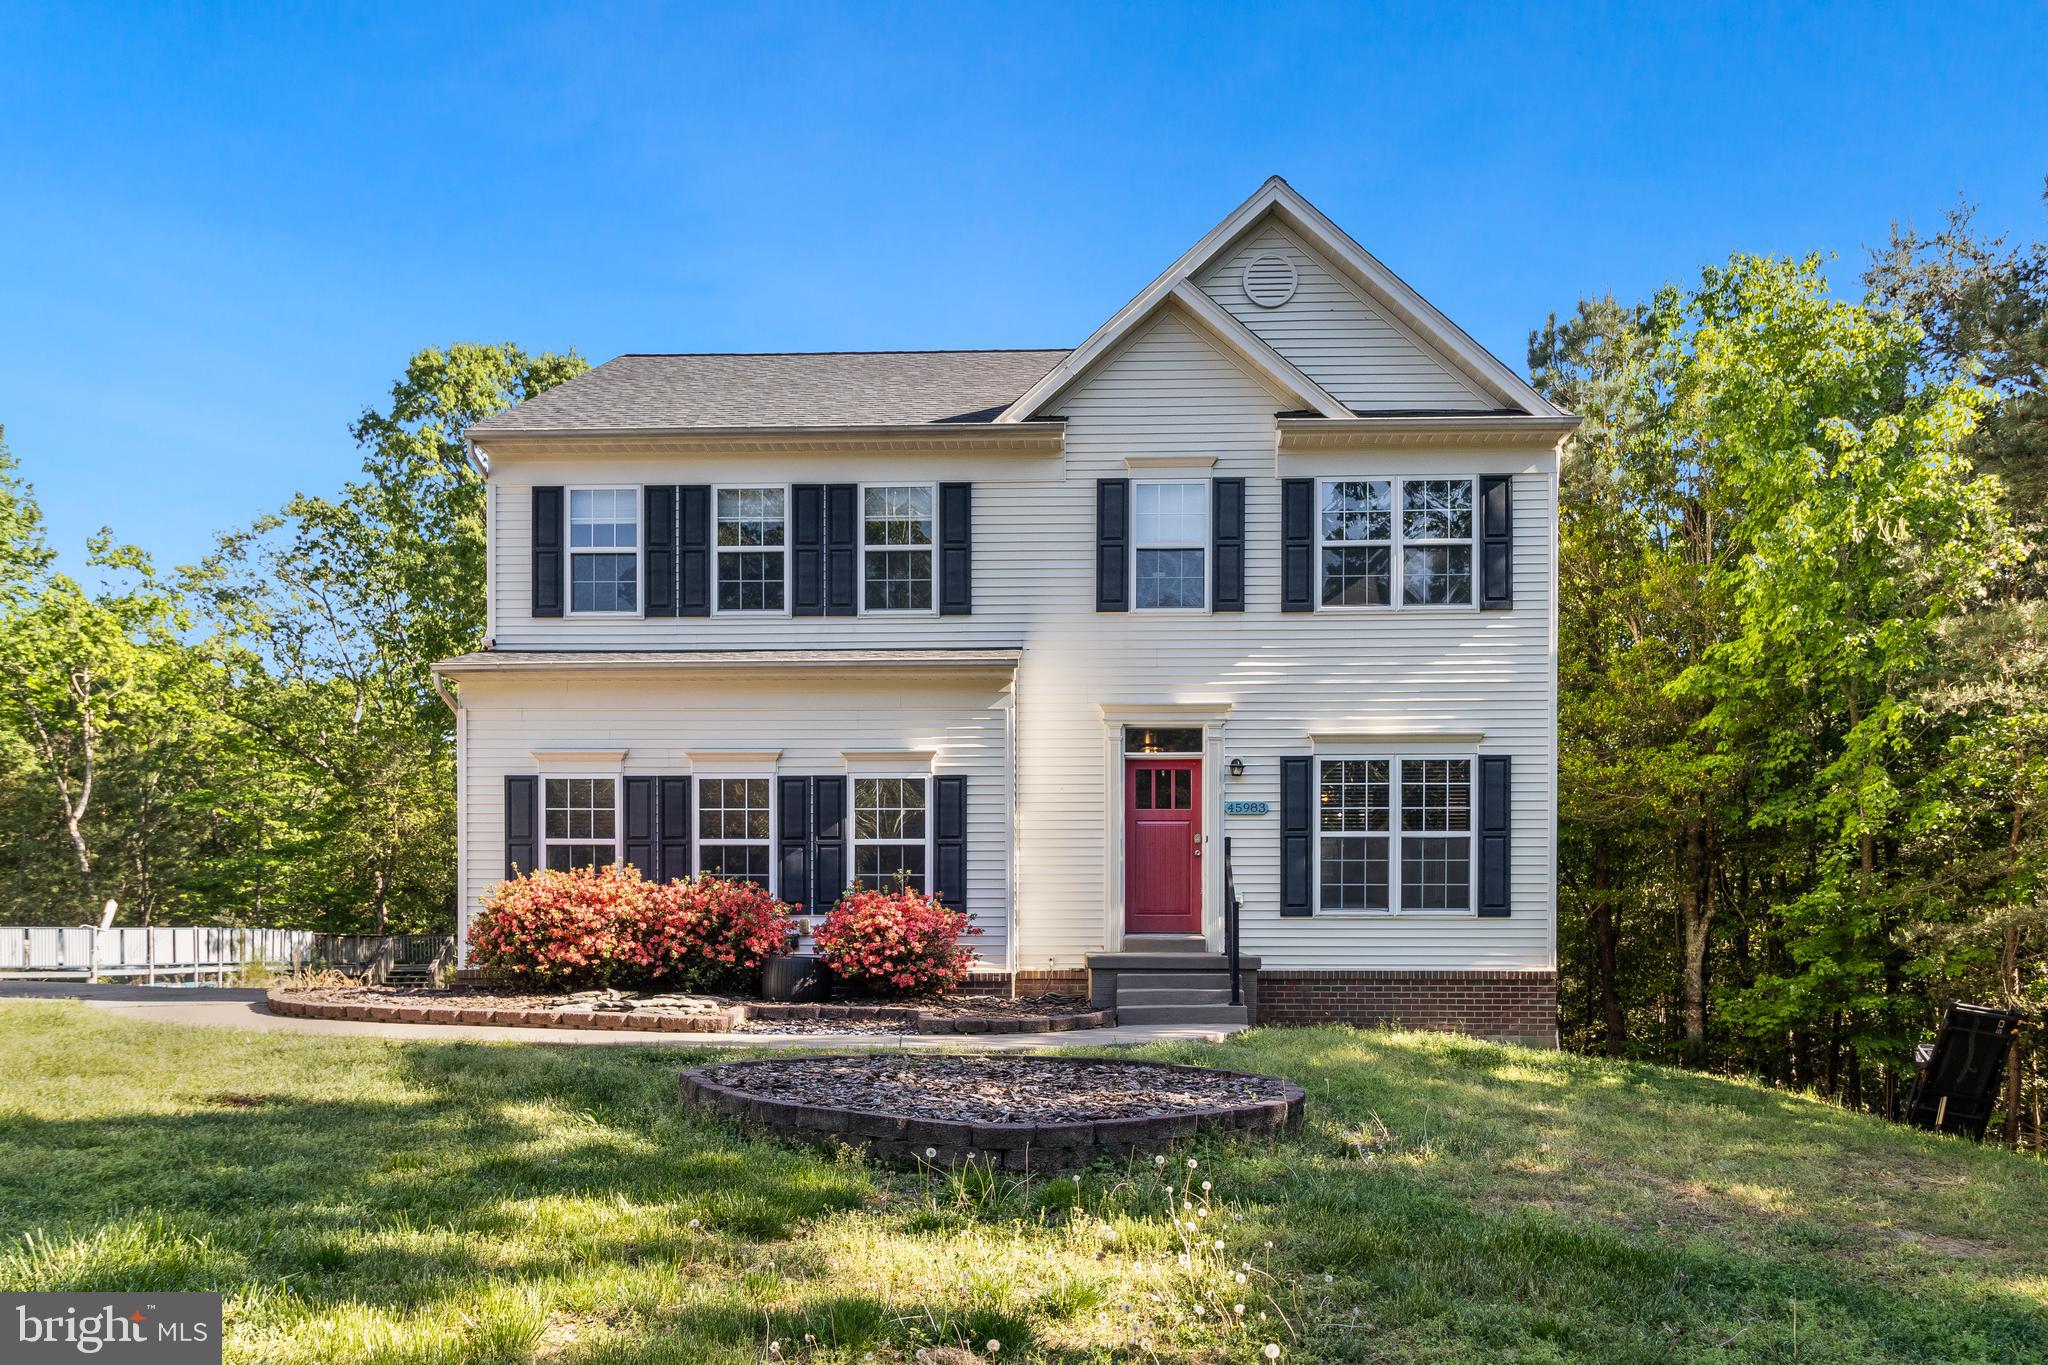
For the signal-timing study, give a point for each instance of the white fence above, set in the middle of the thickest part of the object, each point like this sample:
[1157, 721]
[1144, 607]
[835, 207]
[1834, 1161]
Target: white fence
[90, 954]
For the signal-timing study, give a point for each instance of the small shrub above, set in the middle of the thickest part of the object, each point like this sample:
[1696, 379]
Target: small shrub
[709, 933]
[564, 930]
[895, 942]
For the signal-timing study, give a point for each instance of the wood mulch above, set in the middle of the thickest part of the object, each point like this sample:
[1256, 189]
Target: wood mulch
[996, 1089]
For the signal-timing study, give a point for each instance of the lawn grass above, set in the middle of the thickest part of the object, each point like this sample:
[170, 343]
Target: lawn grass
[374, 1200]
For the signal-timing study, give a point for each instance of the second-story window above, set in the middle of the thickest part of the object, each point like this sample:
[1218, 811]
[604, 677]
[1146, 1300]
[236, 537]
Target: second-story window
[1395, 542]
[752, 545]
[1358, 543]
[604, 550]
[1170, 545]
[896, 547]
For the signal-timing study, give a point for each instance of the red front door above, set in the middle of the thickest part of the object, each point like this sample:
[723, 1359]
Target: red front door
[1163, 846]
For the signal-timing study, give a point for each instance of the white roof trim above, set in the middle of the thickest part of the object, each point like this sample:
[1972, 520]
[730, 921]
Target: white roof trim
[1390, 290]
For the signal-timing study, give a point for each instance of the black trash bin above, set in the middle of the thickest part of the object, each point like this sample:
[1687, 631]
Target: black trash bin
[798, 978]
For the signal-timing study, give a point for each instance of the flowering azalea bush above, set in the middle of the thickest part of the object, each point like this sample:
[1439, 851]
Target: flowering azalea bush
[895, 942]
[562, 929]
[709, 933]
[608, 926]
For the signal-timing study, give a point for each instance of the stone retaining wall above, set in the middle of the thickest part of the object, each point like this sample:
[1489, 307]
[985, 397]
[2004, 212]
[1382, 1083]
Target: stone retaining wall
[1509, 1006]
[903, 1141]
[908, 1018]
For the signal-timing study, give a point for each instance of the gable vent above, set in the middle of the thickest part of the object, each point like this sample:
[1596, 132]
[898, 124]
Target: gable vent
[1269, 281]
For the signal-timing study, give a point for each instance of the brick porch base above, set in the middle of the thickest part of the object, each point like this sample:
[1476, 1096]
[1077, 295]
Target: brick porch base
[1511, 1006]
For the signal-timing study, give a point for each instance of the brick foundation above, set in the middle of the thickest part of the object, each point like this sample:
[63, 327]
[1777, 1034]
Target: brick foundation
[1516, 1006]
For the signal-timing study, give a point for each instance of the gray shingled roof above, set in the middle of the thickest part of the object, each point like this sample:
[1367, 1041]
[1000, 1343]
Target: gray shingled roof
[823, 389]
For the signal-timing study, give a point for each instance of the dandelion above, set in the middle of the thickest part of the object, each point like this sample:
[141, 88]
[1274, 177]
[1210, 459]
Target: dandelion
[1329, 1279]
[1269, 1245]
[1191, 1163]
[1201, 1213]
[1186, 1205]
[694, 1225]
[1240, 1277]
[1206, 1187]
[993, 1346]
[1198, 1310]
[1191, 1225]
[1272, 1348]
[1158, 1161]
[810, 1338]
[1238, 1309]
[1219, 1244]
[930, 1153]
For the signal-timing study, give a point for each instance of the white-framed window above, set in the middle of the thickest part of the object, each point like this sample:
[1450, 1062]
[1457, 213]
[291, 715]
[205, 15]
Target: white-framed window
[752, 548]
[579, 822]
[1394, 834]
[898, 527]
[1170, 545]
[1396, 542]
[736, 828]
[604, 551]
[891, 841]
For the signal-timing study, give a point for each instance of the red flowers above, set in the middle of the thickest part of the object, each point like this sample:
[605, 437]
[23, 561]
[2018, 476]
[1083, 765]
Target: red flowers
[892, 942]
[608, 927]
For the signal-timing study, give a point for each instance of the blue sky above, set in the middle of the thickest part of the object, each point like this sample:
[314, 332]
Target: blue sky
[222, 231]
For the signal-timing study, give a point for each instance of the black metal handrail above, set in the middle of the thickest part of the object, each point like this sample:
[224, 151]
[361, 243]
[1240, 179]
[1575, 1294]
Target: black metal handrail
[1231, 907]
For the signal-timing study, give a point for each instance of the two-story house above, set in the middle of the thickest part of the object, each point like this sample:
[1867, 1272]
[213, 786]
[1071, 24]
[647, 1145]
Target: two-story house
[1266, 563]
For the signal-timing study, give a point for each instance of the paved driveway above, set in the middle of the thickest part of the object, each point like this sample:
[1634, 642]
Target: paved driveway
[233, 1007]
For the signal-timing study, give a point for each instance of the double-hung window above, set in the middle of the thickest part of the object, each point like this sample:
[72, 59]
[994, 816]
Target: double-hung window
[1362, 842]
[735, 828]
[604, 550]
[579, 822]
[1170, 545]
[889, 842]
[896, 533]
[752, 536]
[1373, 532]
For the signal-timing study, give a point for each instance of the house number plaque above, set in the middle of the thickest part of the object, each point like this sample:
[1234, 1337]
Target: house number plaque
[1247, 807]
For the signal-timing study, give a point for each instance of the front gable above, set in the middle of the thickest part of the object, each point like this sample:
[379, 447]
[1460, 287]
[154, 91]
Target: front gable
[1325, 326]
[1352, 334]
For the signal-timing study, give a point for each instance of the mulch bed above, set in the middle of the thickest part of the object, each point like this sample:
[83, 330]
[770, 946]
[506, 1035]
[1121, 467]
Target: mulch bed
[679, 1013]
[1017, 1113]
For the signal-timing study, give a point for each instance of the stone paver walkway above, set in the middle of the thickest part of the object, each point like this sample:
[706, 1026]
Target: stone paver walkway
[231, 1007]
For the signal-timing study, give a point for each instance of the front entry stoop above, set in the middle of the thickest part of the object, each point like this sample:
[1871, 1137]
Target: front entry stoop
[1157, 981]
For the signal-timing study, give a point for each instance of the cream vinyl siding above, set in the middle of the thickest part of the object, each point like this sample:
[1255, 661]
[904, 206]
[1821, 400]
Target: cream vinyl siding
[1336, 336]
[1165, 392]
[814, 718]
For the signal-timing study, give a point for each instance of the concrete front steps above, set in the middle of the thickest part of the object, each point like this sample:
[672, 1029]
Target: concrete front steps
[1170, 979]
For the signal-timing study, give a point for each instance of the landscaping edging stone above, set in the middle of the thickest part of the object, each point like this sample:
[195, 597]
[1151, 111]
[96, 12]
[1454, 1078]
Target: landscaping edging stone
[911, 1020]
[914, 1141]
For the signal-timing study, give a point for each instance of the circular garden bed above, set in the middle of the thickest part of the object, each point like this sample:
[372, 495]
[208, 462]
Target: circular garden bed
[1007, 1112]
[965, 1014]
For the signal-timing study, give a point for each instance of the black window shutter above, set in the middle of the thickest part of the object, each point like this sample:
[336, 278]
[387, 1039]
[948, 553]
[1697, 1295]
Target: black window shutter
[793, 839]
[522, 824]
[659, 512]
[1227, 525]
[829, 874]
[1297, 836]
[639, 841]
[842, 549]
[1495, 789]
[693, 550]
[949, 840]
[1496, 543]
[807, 550]
[956, 549]
[548, 575]
[1298, 546]
[1112, 544]
[672, 828]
